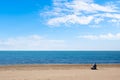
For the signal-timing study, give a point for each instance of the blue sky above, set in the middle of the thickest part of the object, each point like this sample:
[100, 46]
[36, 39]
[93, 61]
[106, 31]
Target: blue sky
[60, 25]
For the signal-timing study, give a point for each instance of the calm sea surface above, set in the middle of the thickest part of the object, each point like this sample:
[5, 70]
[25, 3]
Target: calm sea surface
[59, 57]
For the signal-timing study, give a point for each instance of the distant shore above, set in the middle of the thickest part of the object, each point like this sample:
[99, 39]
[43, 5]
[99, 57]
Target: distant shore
[60, 72]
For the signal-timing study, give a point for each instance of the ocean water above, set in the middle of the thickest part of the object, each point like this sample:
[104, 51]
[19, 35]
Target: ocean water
[59, 57]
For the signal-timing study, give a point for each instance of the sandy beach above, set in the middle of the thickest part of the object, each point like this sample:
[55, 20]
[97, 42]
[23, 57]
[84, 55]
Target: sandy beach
[60, 72]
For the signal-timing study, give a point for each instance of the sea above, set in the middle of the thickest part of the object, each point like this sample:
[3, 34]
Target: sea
[59, 57]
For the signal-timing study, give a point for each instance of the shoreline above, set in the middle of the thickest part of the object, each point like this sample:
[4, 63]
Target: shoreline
[10, 65]
[57, 66]
[61, 64]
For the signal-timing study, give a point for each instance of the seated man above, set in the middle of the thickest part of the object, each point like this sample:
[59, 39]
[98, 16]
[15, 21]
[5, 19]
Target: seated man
[94, 67]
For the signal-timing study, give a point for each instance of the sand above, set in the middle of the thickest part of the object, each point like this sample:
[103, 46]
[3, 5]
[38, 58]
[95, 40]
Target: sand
[59, 72]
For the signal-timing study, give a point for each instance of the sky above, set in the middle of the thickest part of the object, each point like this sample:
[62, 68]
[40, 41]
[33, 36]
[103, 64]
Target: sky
[59, 25]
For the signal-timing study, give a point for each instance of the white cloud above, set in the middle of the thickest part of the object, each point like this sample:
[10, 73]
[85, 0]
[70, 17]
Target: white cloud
[88, 6]
[33, 42]
[71, 19]
[98, 20]
[81, 12]
[108, 36]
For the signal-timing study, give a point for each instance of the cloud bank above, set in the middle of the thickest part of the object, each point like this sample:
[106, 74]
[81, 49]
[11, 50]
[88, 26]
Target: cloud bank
[82, 12]
[108, 36]
[33, 42]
